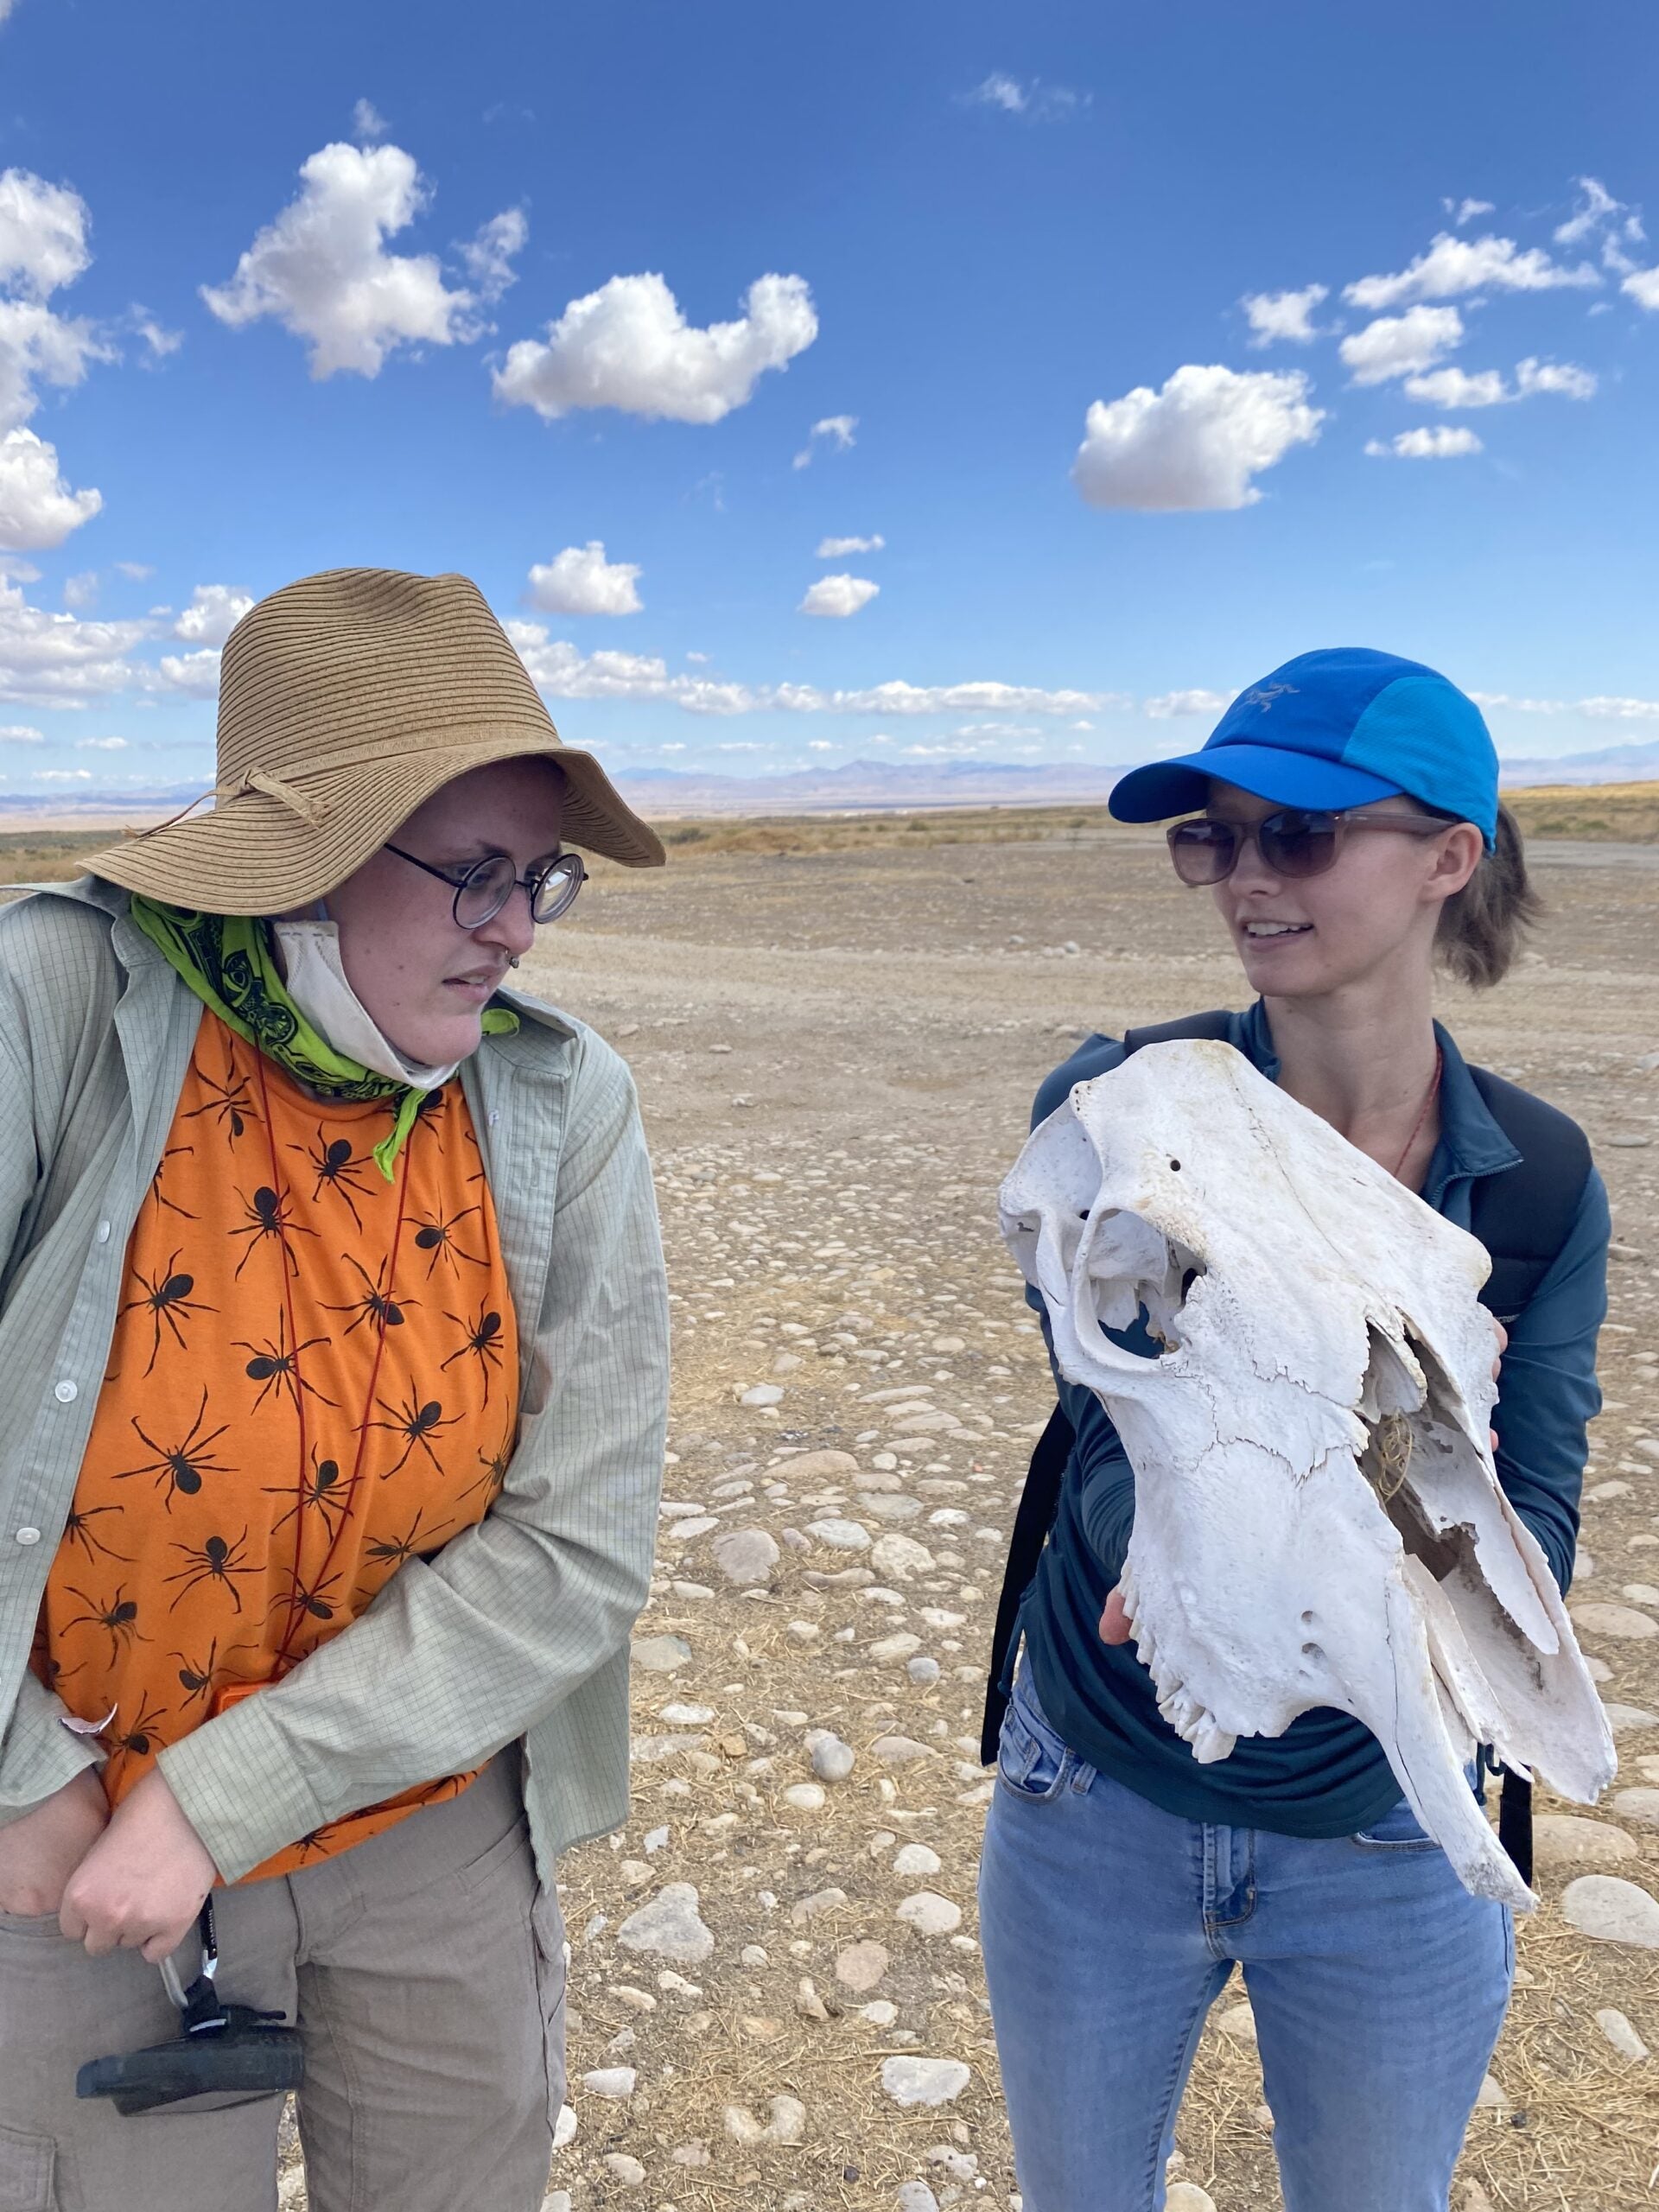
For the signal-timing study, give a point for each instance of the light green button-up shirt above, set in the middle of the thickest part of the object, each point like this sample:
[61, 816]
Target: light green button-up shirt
[518, 1629]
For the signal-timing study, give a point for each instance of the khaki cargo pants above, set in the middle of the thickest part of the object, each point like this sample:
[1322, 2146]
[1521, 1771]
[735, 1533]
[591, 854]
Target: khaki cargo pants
[426, 1973]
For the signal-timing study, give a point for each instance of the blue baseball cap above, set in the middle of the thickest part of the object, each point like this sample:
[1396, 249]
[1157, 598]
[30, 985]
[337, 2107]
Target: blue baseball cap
[1335, 729]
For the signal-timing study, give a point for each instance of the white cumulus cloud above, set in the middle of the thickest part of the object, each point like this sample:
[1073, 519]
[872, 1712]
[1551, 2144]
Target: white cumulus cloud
[38, 509]
[1168, 704]
[1451, 266]
[564, 672]
[367, 122]
[1458, 388]
[1486, 388]
[580, 581]
[628, 346]
[322, 270]
[838, 596]
[1441, 443]
[213, 613]
[195, 674]
[490, 253]
[59, 660]
[21, 733]
[1284, 317]
[1401, 345]
[1197, 443]
[1597, 210]
[1465, 211]
[43, 234]
[837, 548]
[833, 430]
[1035, 102]
[1564, 377]
[100, 745]
[1642, 286]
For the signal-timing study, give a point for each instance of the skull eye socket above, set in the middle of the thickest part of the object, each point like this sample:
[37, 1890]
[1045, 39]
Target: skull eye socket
[1141, 1279]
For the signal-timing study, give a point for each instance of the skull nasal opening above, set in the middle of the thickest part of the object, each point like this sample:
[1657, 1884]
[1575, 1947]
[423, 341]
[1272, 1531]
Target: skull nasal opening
[1142, 1278]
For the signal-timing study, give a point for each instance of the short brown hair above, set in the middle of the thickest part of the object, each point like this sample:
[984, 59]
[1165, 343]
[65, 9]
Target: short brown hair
[1481, 927]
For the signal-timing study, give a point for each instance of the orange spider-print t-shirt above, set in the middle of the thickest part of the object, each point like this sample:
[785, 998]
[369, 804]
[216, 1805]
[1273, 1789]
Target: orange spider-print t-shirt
[314, 1377]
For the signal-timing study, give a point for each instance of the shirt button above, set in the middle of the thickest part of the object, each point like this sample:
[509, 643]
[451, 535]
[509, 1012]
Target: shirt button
[494, 1116]
[66, 1392]
[103, 1232]
[28, 1535]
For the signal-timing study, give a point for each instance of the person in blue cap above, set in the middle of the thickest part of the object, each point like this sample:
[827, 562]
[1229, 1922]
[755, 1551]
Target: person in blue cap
[1345, 816]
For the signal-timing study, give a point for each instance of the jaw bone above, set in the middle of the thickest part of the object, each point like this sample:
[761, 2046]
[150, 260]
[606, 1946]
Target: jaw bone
[1317, 1518]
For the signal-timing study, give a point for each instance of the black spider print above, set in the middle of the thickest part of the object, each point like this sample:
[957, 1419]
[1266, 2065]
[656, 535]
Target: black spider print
[268, 1215]
[155, 1182]
[77, 1530]
[482, 1340]
[395, 1550]
[183, 1467]
[477, 1154]
[199, 1680]
[493, 1479]
[213, 1562]
[376, 1304]
[118, 1619]
[306, 1845]
[165, 1297]
[316, 1601]
[335, 1166]
[320, 1491]
[274, 1366]
[437, 1237]
[52, 1672]
[230, 1102]
[138, 1738]
[416, 1423]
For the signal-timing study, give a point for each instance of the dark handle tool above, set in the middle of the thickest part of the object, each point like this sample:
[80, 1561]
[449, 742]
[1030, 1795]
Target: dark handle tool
[226, 2055]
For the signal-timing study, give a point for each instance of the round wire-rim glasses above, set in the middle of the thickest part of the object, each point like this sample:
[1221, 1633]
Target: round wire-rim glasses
[1293, 841]
[483, 888]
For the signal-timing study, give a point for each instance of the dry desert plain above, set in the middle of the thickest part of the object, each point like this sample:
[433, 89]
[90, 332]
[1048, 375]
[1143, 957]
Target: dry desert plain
[836, 1027]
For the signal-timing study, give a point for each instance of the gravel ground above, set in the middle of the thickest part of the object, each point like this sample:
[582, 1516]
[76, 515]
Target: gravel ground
[835, 1054]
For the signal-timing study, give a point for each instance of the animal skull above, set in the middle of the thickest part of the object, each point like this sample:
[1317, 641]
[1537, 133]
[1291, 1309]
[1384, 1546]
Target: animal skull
[1318, 1520]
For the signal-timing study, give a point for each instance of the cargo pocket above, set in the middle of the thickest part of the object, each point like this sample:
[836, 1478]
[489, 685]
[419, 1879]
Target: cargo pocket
[26, 2168]
[547, 1924]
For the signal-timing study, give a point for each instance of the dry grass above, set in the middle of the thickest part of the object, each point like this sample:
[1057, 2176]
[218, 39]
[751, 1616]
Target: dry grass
[1625, 814]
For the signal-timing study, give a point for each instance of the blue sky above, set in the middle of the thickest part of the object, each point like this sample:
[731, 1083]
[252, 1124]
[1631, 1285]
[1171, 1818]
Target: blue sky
[1000, 258]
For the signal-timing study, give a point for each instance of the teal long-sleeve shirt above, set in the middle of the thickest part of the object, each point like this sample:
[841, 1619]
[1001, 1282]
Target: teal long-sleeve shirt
[1327, 1775]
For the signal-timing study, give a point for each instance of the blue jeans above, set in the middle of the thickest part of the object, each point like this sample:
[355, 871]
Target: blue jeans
[1109, 1928]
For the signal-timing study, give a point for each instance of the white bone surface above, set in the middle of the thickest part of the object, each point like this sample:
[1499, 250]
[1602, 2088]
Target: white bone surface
[1303, 1297]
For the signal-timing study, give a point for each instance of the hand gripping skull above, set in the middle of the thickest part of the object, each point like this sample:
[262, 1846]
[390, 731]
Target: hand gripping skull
[1318, 1520]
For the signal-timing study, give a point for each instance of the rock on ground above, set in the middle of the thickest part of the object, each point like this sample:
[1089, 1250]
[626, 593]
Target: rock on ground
[745, 1555]
[670, 1928]
[1611, 1910]
[924, 2080]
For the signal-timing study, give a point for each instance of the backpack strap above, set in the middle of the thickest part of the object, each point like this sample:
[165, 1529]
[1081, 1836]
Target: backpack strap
[1524, 1214]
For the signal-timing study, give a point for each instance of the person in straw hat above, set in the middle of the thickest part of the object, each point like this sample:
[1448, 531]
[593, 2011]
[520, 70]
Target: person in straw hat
[334, 1335]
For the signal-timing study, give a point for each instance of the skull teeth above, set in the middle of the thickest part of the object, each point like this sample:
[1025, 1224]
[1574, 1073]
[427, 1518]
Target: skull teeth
[1196, 1725]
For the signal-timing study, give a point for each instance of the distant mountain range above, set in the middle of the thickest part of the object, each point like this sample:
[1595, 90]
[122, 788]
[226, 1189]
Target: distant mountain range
[861, 785]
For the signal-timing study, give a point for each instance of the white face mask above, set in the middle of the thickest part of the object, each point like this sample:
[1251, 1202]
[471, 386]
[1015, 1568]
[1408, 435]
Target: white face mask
[317, 985]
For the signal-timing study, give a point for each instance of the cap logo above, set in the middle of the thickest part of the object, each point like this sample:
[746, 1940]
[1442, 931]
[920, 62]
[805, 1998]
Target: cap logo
[1265, 694]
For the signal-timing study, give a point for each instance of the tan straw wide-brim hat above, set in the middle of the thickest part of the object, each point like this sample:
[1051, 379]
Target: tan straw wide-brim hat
[345, 701]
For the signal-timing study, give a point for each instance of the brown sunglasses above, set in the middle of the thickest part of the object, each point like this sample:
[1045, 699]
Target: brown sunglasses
[1294, 841]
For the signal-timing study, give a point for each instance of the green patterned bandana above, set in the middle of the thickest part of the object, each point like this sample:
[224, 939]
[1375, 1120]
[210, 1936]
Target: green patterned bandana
[228, 961]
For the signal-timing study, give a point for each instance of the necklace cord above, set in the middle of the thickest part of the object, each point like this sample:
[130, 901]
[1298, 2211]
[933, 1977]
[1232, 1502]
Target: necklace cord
[1429, 1096]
